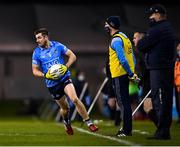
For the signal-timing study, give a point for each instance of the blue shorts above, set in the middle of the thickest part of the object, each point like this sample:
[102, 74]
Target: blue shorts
[57, 91]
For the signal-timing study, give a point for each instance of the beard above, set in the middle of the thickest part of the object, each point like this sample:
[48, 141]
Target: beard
[151, 22]
[43, 44]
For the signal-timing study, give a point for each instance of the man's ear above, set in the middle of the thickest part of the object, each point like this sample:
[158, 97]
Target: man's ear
[46, 37]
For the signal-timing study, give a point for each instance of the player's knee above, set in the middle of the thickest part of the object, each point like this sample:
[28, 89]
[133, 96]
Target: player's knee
[75, 101]
[64, 110]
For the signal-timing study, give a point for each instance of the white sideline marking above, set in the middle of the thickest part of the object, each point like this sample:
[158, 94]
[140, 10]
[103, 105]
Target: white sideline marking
[136, 131]
[141, 132]
[106, 137]
[15, 134]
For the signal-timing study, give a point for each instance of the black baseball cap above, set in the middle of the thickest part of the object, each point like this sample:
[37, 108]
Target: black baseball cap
[113, 21]
[156, 8]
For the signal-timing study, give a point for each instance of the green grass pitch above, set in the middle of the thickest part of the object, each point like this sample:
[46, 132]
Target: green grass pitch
[35, 132]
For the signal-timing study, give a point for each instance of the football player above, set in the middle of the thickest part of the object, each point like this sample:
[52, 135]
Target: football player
[46, 54]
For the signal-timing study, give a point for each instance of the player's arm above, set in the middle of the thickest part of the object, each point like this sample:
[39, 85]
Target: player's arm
[117, 45]
[36, 71]
[151, 38]
[71, 58]
[36, 64]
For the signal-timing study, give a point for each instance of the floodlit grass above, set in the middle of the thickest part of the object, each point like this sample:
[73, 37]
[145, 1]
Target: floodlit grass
[31, 131]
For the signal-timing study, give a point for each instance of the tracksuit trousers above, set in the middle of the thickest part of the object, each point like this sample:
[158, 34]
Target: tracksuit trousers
[161, 81]
[121, 89]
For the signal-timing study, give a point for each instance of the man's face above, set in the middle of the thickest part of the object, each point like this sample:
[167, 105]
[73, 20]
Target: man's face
[107, 28]
[41, 40]
[136, 38]
[178, 47]
[155, 16]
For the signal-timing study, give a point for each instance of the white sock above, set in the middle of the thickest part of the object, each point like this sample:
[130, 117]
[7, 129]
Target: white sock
[88, 122]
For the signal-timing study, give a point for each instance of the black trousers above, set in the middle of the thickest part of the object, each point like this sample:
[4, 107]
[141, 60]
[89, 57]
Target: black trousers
[162, 97]
[121, 89]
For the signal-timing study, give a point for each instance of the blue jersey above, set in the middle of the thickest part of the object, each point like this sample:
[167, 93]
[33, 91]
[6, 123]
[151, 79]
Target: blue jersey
[46, 57]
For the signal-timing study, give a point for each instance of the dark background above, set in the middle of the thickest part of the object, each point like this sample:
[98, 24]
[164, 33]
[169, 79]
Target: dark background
[77, 24]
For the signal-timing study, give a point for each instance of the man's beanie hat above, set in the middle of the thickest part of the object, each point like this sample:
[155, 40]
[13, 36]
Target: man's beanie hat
[156, 8]
[113, 21]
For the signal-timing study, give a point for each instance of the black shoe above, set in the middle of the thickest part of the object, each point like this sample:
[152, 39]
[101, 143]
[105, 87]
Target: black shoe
[159, 138]
[163, 137]
[121, 133]
[163, 134]
[160, 135]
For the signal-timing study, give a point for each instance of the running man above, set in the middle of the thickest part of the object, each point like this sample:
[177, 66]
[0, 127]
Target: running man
[46, 54]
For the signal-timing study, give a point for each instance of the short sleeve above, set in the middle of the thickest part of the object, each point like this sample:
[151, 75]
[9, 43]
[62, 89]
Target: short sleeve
[63, 48]
[35, 58]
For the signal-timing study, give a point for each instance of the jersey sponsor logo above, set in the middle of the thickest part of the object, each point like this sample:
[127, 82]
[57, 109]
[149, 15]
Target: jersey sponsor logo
[51, 62]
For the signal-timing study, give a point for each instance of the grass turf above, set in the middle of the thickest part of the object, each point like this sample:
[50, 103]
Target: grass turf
[32, 131]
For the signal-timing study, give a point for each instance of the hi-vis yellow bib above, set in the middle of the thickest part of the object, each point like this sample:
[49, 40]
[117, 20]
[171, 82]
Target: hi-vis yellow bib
[114, 63]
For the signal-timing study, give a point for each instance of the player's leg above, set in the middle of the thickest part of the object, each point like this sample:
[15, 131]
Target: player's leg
[121, 88]
[111, 94]
[162, 96]
[70, 91]
[64, 111]
[118, 118]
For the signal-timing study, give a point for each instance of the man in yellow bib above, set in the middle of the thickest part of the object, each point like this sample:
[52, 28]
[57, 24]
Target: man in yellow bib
[122, 65]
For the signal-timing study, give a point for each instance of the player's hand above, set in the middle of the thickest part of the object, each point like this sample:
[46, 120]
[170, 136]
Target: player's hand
[63, 69]
[135, 78]
[50, 76]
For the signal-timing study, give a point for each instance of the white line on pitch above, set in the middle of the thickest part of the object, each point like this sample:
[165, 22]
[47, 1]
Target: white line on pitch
[15, 134]
[141, 132]
[106, 137]
[135, 131]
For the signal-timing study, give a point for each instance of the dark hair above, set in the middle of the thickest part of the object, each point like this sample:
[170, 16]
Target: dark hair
[44, 31]
[113, 21]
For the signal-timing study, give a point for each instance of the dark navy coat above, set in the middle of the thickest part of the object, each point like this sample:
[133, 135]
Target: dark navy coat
[159, 46]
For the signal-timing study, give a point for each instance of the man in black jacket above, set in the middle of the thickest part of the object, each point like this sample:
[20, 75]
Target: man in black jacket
[159, 46]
